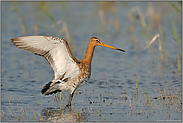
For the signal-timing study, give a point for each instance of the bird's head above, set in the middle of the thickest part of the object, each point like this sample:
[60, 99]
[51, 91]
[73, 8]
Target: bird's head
[97, 42]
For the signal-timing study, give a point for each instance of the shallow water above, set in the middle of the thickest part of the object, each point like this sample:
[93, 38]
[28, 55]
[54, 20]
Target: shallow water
[112, 93]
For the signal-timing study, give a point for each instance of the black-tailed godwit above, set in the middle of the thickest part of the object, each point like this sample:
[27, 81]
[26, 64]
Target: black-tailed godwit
[70, 73]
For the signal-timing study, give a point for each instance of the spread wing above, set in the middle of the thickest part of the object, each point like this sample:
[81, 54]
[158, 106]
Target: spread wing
[55, 50]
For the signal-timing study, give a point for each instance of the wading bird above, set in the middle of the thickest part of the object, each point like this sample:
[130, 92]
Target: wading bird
[70, 73]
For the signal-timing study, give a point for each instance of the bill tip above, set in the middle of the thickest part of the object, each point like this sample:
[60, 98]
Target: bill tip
[121, 50]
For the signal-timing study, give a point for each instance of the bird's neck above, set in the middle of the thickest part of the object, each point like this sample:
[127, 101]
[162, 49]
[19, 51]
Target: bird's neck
[89, 54]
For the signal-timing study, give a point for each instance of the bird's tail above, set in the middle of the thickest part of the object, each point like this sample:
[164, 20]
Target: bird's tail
[50, 88]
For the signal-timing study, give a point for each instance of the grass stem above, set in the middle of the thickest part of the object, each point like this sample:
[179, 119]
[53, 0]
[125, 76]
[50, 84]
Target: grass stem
[176, 38]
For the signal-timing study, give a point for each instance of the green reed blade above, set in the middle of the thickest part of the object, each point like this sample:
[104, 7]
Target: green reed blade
[43, 7]
[176, 38]
[177, 8]
[136, 82]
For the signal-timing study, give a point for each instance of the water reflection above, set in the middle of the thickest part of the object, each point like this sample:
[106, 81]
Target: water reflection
[64, 115]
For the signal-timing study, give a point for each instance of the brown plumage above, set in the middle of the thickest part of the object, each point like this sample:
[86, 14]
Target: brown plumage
[70, 73]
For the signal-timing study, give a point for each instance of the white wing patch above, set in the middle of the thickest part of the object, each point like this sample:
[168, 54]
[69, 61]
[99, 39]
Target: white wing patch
[55, 50]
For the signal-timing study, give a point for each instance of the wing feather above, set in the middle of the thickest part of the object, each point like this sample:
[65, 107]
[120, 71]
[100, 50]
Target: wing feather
[55, 50]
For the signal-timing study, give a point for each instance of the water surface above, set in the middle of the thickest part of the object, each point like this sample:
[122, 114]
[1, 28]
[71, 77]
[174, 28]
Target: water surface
[113, 95]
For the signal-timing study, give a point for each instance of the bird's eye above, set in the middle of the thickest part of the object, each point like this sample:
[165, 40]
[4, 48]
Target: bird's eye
[98, 40]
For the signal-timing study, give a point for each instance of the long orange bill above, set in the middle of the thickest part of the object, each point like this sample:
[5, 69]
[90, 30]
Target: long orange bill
[105, 45]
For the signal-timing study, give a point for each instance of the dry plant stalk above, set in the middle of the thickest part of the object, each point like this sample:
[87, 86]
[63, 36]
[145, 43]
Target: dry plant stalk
[144, 95]
[9, 111]
[91, 109]
[40, 118]
[3, 112]
[12, 107]
[152, 40]
[178, 65]
[20, 107]
[24, 110]
[35, 113]
[27, 105]
[64, 29]
[106, 7]
[35, 29]
[90, 86]
[23, 29]
[131, 106]
[102, 17]
[160, 45]
[140, 15]
[99, 113]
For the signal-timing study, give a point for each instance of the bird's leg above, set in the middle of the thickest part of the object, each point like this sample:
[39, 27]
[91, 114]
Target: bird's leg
[70, 99]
